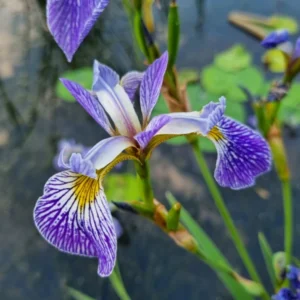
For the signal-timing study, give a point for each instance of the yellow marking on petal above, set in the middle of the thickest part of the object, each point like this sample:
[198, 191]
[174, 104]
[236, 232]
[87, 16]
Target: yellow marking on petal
[86, 189]
[215, 134]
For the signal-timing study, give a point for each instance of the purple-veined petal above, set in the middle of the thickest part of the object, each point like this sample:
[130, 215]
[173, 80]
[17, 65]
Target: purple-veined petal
[82, 166]
[107, 150]
[195, 122]
[151, 85]
[243, 154]
[275, 38]
[144, 137]
[106, 73]
[70, 21]
[119, 107]
[73, 215]
[90, 103]
[131, 82]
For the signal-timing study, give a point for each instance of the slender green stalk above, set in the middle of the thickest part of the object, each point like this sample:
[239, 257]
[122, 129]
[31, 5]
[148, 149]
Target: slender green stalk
[288, 219]
[143, 173]
[118, 284]
[226, 215]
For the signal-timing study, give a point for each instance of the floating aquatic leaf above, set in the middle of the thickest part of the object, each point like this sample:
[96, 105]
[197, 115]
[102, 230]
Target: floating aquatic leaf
[83, 76]
[234, 59]
[284, 22]
[121, 187]
[275, 60]
[216, 81]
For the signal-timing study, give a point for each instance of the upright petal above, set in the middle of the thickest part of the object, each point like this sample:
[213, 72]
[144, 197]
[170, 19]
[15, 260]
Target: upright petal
[243, 154]
[70, 21]
[90, 103]
[107, 150]
[151, 85]
[73, 215]
[119, 107]
[275, 38]
[106, 73]
[144, 137]
[82, 166]
[131, 82]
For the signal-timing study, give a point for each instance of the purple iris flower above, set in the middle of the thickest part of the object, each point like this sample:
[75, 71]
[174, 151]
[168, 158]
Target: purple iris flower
[293, 275]
[70, 21]
[286, 294]
[73, 213]
[275, 38]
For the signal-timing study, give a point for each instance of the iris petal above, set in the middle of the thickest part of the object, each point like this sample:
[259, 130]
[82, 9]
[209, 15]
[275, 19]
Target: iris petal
[151, 85]
[71, 21]
[89, 103]
[243, 154]
[106, 73]
[73, 215]
[130, 82]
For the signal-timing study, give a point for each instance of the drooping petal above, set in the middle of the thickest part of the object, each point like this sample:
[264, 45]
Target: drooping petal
[144, 137]
[119, 107]
[285, 294]
[275, 38]
[71, 21]
[151, 85]
[195, 122]
[73, 215]
[293, 276]
[131, 82]
[106, 73]
[243, 154]
[90, 103]
[107, 150]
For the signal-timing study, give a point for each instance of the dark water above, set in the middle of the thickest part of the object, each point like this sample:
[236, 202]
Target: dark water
[32, 120]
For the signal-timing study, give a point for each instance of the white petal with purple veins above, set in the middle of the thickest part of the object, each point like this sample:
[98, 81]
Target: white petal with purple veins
[70, 21]
[243, 154]
[90, 103]
[73, 215]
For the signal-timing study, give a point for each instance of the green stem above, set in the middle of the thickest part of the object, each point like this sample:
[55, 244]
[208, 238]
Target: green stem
[226, 215]
[288, 219]
[143, 173]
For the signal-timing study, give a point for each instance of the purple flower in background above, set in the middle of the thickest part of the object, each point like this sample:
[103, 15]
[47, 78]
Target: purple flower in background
[293, 275]
[70, 21]
[275, 38]
[73, 213]
[286, 294]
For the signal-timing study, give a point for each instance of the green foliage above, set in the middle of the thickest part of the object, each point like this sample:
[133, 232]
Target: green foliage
[211, 250]
[218, 82]
[187, 76]
[234, 59]
[121, 187]
[83, 76]
[77, 295]
[283, 22]
[279, 265]
[275, 60]
[268, 256]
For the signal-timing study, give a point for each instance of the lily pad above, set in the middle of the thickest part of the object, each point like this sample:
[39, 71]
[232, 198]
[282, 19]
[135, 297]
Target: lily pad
[83, 76]
[234, 59]
[275, 60]
[121, 187]
[284, 22]
[216, 81]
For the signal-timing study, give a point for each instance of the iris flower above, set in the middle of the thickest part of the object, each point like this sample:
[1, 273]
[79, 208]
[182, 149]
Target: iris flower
[70, 21]
[73, 213]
